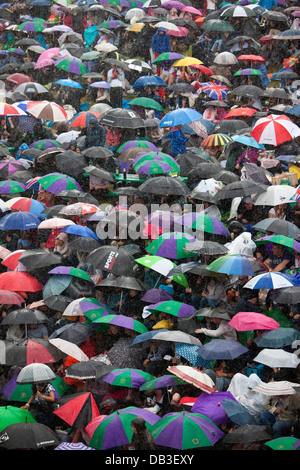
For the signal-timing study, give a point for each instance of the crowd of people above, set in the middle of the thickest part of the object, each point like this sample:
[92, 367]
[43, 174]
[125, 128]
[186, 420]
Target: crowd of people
[149, 155]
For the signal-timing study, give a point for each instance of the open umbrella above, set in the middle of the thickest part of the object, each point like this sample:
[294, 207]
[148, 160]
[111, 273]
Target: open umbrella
[195, 377]
[19, 282]
[56, 182]
[275, 195]
[277, 358]
[12, 414]
[271, 280]
[120, 117]
[111, 259]
[185, 430]
[172, 307]
[19, 221]
[201, 222]
[242, 265]
[171, 245]
[247, 434]
[77, 409]
[277, 226]
[28, 435]
[240, 189]
[164, 185]
[163, 381]
[161, 265]
[222, 349]
[274, 129]
[180, 116]
[166, 335]
[248, 321]
[71, 65]
[27, 351]
[121, 321]
[278, 338]
[47, 110]
[127, 377]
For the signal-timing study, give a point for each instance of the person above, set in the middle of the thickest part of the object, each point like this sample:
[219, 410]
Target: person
[223, 330]
[155, 363]
[280, 259]
[116, 78]
[248, 213]
[43, 396]
[178, 140]
[96, 134]
[160, 44]
[141, 439]
[38, 331]
[214, 294]
[281, 414]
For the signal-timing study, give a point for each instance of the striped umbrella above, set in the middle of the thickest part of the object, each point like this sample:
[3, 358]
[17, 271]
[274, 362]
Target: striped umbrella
[22, 392]
[122, 321]
[162, 382]
[220, 79]
[82, 119]
[274, 130]
[202, 222]
[185, 430]
[131, 378]
[247, 72]
[278, 387]
[288, 242]
[214, 91]
[56, 182]
[196, 377]
[8, 167]
[162, 266]
[237, 264]
[172, 307]
[36, 26]
[71, 65]
[11, 187]
[238, 11]
[111, 24]
[154, 164]
[49, 111]
[271, 280]
[171, 245]
[136, 144]
[10, 110]
[44, 144]
[216, 140]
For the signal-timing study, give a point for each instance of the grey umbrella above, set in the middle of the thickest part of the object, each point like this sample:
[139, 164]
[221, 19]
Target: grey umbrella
[278, 227]
[206, 247]
[239, 189]
[258, 174]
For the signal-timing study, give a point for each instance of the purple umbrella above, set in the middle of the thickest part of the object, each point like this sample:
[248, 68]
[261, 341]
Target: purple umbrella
[137, 143]
[173, 4]
[178, 309]
[209, 404]
[156, 295]
[203, 223]
[163, 219]
[73, 446]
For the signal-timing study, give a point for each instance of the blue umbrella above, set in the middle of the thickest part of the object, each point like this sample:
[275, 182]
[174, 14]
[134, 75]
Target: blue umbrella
[294, 110]
[56, 285]
[222, 349]
[19, 221]
[247, 140]
[190, 352]
[79, 230]
[277, 338]
[237, 413]
[180, 116]
[149, 80]
[68, 82]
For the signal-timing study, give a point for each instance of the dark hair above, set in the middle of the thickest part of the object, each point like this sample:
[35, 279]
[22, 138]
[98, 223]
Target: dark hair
[139, 424]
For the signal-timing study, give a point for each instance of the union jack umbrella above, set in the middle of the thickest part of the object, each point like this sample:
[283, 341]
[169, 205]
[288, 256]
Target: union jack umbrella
[215, 91]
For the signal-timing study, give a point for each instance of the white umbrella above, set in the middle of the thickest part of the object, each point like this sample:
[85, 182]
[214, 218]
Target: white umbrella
[35, 373]
[66, 137]
[225, 58]
[55, 223]
[282, 387]
[195, 377]
[277, 358]
[167, 25]
[275, 195]
[105, 47]
[210, 185]
[69, 348]
[271, 280]
[47, 110]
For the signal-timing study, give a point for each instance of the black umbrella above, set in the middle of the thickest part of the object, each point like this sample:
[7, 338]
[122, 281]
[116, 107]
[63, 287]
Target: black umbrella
[9, 164]
[211, 170]
[274, 15]
[164, 185]
[97, 153]
[278, 227]
[76, 333]
[213, 313]
[187, 161]
[39, 258]
[247, 90]
[111, 259]
[258, 174]
[25, 316]
[58, 302]
[218, 104]
[88, 370]
[206, 247]
[71, 163]
[247, 434]
[32, 153]
[119, 117]
[182, 87]
[128, 191]
[117, 62]
[77, 409]
[53, 211]
[26, 351]
[197, 268]
[200, 196]
[84, 244]
[276, 93]
[123, 282]
[239, 189]
[287, 296]
[228, 126]
[286, 75]
[185, 22]
[100, 173]
[28, 435]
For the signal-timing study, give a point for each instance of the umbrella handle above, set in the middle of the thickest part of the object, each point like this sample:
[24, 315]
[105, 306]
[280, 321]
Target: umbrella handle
[158, 280]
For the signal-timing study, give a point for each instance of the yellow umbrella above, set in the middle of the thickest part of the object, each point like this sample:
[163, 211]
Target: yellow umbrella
[163, 324]
[187, 62]
[137, 27]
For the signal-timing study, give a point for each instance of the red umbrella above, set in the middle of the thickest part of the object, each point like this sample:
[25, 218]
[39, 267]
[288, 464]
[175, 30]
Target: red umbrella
[18, 281]
[274, 130]
[251, 57]
[19, 78]
[10, 298]
[77, 409]
[237, 112]
[12, 260]
[202, 69]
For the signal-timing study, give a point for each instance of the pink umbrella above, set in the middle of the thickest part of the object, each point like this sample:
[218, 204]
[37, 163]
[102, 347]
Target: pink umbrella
[49, 53]
[192, 10]
[182, 32]
[248, 321]
[40, 64]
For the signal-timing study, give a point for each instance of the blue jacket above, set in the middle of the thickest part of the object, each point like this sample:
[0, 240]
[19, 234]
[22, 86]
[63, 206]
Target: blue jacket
[178, 142]
[267, 3]
[160, 43]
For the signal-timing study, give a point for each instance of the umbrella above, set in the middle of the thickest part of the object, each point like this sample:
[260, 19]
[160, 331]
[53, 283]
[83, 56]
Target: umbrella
[222, 349]
[44, 144]
[46, 110]
[35, 373]
[241, 265]
[123, 282]
[277, 358]
[209, 404]
[154, 296]
[282, 443]
[275, 195]
[120, 117]
[166, 57]
[288, 242]
[11, 187]
[185, 430]
[247, 434]
[146, 103]
[87, 370]
[39, 258]
[166, 335]
[137, 143]
[240, 189]
[26, 351]
[180, 116]
[271, 280]
[8, 167]
[275, 388]
[69, 83]
[69, 348]
[162, 382]
[214, 91]
[30, 87]
[163, 185]
[25, 316]
[79, 209]
[73, 446]
[161, 265]
[153, 165]
[127, 377]
[74, 229]
[238, 11]
[248, 321]
[172, 307]
[171, 245]
[56, 182]
[19, 282]
[149, 80]
[277, 338]
[14, 391]
[19, 221]
[12, 414]
[28, 435]
[274, 130]
[111, 259]
[57, 302]
[215, 140]
[82, 118]
[206, 247]
[77, 409]
[217, 25]
[71, 271]
[162, 218]
[288, 295]
[10, 298]
[121, 321]
[202, 222]
[191, 354]
[195, 377]
[237, 413]
[26, 204]
[115, 430]
[55, 223]
[71, 65]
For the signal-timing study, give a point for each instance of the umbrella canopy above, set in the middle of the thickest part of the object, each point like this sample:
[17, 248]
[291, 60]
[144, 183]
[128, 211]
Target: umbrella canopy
[271, 280]
[131, 378]
[12, 414]
[185, 430]
[19, 221]
[28, 435]
[23, 391]
[120, 117]
[49, 111]
[172, 307]
[282, 443]
[237, 413]
[240, 189]
[180, 116]
[115, 260]
[241, 265]
[122, 321]
[199, 221]
[162, 382]
[171, 245]
[275, 195]
[35, 373]
[164, 185]
[77, 409]
[161, 265]
[71, 65]
[248, 321]
[247, 434]
[277, 358]
[280, 387]
[56, 182]
[87, 370]
[10, 298]
[277, 226]
[38, 258]
[222, 349]
[19, 282]
[278, 338]
[166, 335]
[274, 130]
[195, 377]
[24, 352]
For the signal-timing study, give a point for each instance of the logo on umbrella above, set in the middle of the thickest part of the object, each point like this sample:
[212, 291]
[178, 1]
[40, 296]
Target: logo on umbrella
[111, 260]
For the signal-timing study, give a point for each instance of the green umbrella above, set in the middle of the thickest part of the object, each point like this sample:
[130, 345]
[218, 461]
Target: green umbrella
[167, 56]
[12, 414]
[123, 322]
[162, 266]
[148, 103]
[247, 72]
[172, 307]
[36, 26]
[154, 163]
[44, 144]
[217, 25]
[71, 271]
[282, 443]
[72, 65]
[172, 245]
[136, 143]
[163, 381]
[131, 378]
[22, 392]
[288, 242]
[91, 55]
[11, 187]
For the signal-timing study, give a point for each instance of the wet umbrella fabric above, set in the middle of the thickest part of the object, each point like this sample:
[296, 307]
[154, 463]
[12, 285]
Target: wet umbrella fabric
[77, 409]
[28, 436]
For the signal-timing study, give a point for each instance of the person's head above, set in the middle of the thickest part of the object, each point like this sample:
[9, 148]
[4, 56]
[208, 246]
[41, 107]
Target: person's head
[248, 203]
[138, 424]
[277, 249]
[161, 30]
[93, 122]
